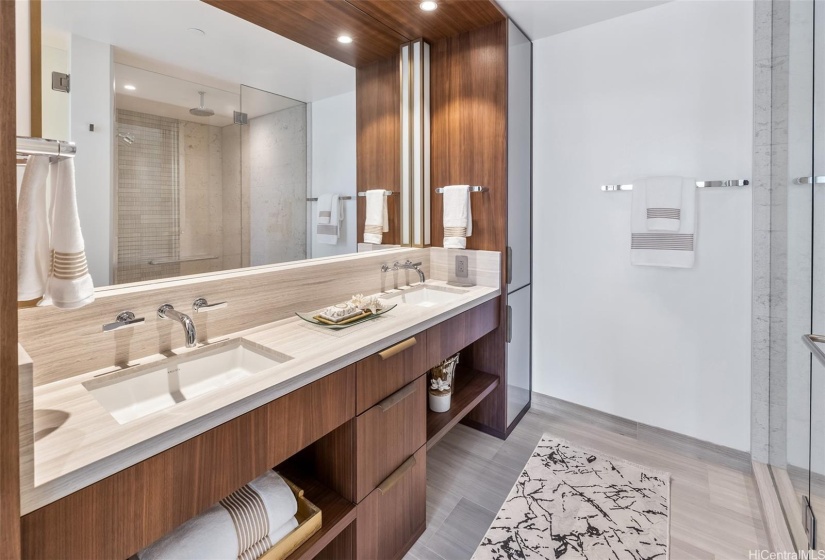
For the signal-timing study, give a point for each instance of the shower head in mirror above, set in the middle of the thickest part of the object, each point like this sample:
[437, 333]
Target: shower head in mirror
[200, 110]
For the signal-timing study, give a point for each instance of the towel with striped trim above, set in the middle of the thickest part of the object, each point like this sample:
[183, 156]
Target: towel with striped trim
[650, 243]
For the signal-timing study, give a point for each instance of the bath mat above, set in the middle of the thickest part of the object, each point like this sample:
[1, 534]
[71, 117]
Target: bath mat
[573, 503]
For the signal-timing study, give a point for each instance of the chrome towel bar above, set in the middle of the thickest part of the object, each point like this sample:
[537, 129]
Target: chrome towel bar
[386, 193]
[440, 190]
[339, 198]
[58, 149]
[699, 184]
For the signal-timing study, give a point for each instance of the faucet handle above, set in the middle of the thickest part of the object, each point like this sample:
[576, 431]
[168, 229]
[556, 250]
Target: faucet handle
[124, 320]
[200, 305]
[410, 263]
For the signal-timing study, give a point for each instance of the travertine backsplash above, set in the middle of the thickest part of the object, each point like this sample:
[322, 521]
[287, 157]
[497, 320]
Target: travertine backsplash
[64, 343]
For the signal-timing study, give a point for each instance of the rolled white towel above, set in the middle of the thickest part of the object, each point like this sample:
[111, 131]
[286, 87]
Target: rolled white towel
[257, 550]
[259, 511]
[33, 231]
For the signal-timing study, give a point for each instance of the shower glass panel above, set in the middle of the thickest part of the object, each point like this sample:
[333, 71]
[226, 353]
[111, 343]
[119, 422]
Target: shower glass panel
[797, 435]
[275, 178]
[815, 487]
[177, 176]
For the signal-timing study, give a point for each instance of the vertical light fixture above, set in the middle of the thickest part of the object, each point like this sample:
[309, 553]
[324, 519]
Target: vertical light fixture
[415, 143]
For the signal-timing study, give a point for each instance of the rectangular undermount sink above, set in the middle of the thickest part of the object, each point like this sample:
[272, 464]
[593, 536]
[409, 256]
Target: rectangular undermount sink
[426, 296]
[138, 391]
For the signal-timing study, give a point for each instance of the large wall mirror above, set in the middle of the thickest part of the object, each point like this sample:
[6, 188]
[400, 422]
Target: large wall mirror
[203, 141]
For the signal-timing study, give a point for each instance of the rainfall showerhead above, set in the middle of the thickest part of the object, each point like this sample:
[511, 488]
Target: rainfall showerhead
[200, 110]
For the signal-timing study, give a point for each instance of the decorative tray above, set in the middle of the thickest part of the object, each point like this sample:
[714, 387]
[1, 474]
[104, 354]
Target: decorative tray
[367, 315]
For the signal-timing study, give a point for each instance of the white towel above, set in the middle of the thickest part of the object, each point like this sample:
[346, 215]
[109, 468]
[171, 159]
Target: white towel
[663, 248]
[70, 284]
[33, 231]
[376, 221]
[330, 216]
[251, 518]
[664, 201]
[458, 216]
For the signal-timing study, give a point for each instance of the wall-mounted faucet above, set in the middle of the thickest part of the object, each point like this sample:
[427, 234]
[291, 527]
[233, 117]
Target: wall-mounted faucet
[409, 265]
[166, 311]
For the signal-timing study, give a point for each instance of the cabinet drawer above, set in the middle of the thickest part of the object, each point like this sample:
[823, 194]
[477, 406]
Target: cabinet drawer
[385, 372]
[388, 433]
[394, 515]
[447, 338]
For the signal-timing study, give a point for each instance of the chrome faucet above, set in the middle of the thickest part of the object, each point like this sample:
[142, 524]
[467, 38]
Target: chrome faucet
[409, 265]
[166, 311]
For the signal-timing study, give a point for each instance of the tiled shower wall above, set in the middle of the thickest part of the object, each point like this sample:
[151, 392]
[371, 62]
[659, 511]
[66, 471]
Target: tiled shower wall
[148, 215]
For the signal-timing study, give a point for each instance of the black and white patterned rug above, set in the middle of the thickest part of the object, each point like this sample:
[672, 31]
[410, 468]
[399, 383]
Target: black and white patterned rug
[574, 503]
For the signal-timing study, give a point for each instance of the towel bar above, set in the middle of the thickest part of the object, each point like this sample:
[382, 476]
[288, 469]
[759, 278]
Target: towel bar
[440, 190]
[27, 146]
[339, 198]
[386, 193]
[699, 184]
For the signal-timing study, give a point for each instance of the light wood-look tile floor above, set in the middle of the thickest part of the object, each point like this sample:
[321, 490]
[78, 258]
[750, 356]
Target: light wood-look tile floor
[715, 510]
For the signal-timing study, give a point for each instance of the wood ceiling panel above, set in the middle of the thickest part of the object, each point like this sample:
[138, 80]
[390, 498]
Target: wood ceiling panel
[450, 18]
[318, 23]
[377, 27]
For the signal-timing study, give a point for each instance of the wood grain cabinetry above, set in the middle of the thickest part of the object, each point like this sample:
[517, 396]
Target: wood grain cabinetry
[356, 436]
[385, 372]
[388, 433]
[447, 338]
[120, 515]
[394, 515]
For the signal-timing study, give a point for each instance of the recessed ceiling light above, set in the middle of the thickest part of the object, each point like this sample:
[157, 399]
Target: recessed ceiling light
[196, 31]
[428, 5]
[346, 39]
[130, 87]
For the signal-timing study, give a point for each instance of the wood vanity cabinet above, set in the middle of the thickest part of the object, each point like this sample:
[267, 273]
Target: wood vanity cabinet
[356, 439]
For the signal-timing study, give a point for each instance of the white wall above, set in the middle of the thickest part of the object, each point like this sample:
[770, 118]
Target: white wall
[333, 167]
[91, 103]
[662, 91]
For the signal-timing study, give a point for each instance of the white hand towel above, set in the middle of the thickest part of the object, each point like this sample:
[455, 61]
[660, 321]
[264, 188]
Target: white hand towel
[324, 209]
[458, 216]
[663, 248]
[664, 201]
[33, 231]
[262, 510]
[70, 284]
[376, 221]
[329, 221]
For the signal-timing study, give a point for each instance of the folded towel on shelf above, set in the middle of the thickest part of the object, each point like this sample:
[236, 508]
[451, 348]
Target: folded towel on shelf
[69, 285]
[257, 515]
[330, 216]
[376, 221]
[33, 231]
[458, 216]
[663, 248]
[664, 201]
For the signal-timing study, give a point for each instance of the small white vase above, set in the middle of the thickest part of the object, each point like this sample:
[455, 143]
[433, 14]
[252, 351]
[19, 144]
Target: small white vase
[440, 403]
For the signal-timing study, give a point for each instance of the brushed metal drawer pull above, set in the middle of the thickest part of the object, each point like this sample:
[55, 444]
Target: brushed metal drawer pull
[396, 398]
[396, 475]
[400, 347]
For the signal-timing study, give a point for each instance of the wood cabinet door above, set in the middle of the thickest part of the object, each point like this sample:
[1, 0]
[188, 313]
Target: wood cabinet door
[388, 433]
[385, 372]
[394, 515]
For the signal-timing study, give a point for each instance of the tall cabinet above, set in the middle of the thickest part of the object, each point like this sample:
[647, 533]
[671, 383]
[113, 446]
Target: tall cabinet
[519, 224]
